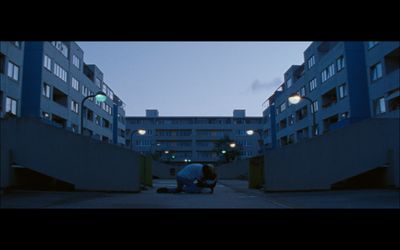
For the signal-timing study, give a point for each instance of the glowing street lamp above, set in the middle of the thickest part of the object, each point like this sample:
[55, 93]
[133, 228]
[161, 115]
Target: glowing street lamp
[99, 96]
[232, 145]
[295, 99]
[250, 132]
[141, 131]
[223, 151]
[166, 152]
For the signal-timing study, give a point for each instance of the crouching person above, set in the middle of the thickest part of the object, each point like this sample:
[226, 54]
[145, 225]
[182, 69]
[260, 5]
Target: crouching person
[194, 178]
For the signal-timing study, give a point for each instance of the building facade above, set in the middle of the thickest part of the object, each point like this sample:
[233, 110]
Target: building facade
[11, 70]
[180, 139]
[341, 82]
[382, 62]
[57, 80]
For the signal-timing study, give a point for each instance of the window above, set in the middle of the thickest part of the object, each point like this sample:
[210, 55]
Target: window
[282, 107]
[76, 61]
[328, 72]
[89, 114]
[60, 72]
[313, 84]
[46, 90]
[11, 106]
[47, 62]
[289, 83]
[46, 115]
[84, 91]
[314, 107]
[329, 98]
[380, 106]
[301, 113]
[340, 63]
[13, 71]
[376, 71]
[97, 120]
[75, 84]
[74, 107]
[372, 44]
[302, 91]
[291, 119]
[311, 62]
[60, 46]
[342, 91]
[106, 123]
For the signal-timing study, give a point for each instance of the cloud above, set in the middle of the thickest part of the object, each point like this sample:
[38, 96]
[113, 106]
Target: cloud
[258, 86]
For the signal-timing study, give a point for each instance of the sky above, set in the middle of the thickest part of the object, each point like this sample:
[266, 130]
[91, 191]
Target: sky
[193, 78]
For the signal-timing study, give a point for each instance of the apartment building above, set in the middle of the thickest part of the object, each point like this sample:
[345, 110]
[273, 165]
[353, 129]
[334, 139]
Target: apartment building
[180, 139]
[57, 80]
[340, 83]
[11, 69]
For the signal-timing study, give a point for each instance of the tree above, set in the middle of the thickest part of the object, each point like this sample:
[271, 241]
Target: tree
[225, 151]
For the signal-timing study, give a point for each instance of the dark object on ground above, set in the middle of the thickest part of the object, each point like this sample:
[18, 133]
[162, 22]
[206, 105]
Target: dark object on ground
[163, 190]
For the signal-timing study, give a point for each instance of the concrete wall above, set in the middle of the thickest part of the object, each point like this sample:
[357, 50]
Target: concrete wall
[88, 164]
[335, 156]
[234, 170]
[162, 170]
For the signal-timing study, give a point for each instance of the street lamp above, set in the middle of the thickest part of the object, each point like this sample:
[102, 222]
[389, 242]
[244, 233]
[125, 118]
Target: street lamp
[140, 132]
[295, 99]
[259, 132]
[232, 145]
[99, 96]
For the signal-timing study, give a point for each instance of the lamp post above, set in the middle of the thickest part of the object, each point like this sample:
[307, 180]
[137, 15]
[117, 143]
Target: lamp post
[99, 96]
[259, 132]
[140, 132]
[295, 99]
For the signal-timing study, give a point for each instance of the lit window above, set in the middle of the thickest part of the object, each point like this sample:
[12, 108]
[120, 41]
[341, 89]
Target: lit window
[342, 91]
[13, 71]
[74, 106]
[11, 106]
[340, 63]
[47, 62]
[46, 90]
[314, 107]
[60, 72]
[60, 46]
[313, 84]
[302, 91]
[311, 62]
[376, 71]
[380, 106]
[75, 84]
[75, 61]
[327, 73]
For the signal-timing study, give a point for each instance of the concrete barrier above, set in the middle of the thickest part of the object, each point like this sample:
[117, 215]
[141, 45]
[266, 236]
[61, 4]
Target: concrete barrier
[238, 169]
[318, 163]
[86, 163]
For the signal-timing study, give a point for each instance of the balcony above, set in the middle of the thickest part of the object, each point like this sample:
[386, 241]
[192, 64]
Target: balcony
[329, 98]
[60, 97]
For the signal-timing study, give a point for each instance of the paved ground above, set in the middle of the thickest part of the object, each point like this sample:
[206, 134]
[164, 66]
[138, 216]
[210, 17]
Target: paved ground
[228, 194]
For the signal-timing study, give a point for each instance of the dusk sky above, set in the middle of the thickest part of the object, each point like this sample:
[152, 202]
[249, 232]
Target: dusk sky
[193, 78]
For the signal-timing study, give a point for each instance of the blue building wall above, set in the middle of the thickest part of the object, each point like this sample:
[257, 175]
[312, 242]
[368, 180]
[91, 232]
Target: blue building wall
[11, 52]
[57, 108]
[193, 138]
[333, 109]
